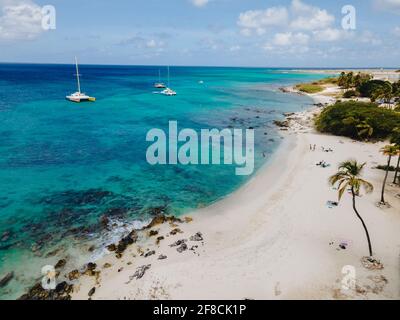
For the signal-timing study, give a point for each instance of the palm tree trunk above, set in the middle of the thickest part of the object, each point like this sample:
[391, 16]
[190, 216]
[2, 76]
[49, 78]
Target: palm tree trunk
[362, 221]
[397, 170]
[384, 181]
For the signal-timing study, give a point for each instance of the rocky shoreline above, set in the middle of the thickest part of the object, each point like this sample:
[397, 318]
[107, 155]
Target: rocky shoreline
[65, 288]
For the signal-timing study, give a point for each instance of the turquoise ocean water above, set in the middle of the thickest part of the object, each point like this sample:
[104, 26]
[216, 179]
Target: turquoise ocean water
[63, 166]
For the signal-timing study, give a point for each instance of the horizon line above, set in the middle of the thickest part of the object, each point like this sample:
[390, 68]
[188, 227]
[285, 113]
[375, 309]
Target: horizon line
[206, 66]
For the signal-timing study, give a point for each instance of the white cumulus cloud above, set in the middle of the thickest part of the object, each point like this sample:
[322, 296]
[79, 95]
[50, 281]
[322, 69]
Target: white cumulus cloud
[258, 20]
[308, 17]
[298, 16]
[289, 38]
[20, 20]
[199, 3]
[329, 34]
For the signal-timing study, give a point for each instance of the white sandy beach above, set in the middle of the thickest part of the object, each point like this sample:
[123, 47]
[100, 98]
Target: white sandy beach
[274, 238]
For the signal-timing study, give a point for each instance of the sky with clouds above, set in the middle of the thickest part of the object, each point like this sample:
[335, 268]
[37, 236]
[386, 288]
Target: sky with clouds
[267, 33]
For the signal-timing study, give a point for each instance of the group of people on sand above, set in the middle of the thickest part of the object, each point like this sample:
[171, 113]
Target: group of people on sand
[323, 149]
[323, 164]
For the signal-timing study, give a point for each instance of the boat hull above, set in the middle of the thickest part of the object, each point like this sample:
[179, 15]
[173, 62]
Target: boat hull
[80, 99]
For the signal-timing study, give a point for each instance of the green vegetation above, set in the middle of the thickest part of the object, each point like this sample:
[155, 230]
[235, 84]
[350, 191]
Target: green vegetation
[349, 177]
[358, 120]
[330, 80]
[309, 88]
[349, 80]
[351, 94]
[389, 151]
[363, 85]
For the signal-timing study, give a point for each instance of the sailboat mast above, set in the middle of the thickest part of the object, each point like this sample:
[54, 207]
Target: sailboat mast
[159, 76]
[168, 76]
[77, 75]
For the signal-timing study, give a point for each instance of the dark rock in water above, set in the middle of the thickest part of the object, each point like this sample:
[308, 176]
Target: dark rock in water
[53, 253]
[197, 237]
[77, 198]
[5, 236]
[6, 279]
[156, 221]
[282, 124]
[35, 247]
[284, 90]
[61, 286]
[60, 264]
[104, 221]
[61, 292]
[91, 266]
[140, 272]
[157, 211]
[150, 253]
[107, 265]
[73, 275]
[116, 212]
[112, 247]
[160, 220]
[92, 291]
[162, 257]
[126, 241]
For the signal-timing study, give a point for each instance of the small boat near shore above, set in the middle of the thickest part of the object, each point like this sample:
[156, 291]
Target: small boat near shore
[168, 91]
[79, 96]
[159, 84]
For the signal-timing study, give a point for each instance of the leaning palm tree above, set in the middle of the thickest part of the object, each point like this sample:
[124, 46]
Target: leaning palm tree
[396, 140]
[389, 151]
[348, 177]
[397, 167]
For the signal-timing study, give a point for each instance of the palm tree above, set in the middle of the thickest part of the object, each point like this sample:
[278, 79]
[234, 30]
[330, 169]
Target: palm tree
[390, 151]
[396, 140]
[342, 79]
[364, 130]
[348, 176]
[397, 168]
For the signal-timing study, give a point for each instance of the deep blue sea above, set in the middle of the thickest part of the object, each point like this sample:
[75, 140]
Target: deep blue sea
[63, 165]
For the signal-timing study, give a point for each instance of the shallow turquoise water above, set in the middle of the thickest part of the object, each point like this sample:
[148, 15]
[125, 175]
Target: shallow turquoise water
[64, 165]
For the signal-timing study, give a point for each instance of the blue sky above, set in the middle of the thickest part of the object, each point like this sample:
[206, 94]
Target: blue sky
[269, 33]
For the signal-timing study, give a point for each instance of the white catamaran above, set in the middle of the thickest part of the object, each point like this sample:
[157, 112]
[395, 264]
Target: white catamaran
[79, 96]
[159, 84]
[168, 91]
